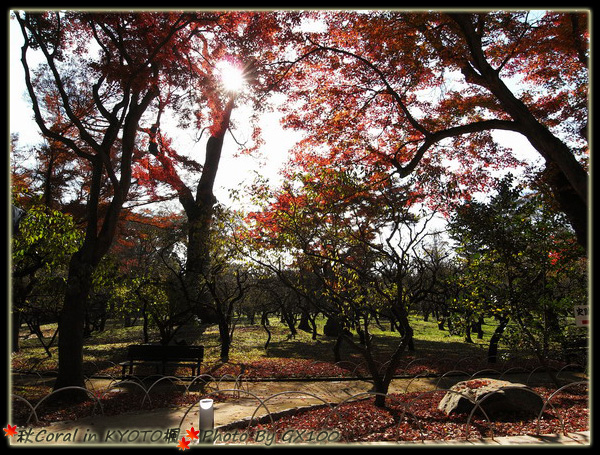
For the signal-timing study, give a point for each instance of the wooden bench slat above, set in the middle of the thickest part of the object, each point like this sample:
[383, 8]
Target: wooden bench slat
[161, 355]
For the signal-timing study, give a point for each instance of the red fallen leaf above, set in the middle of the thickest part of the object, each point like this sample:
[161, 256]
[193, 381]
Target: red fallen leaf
[477, 383]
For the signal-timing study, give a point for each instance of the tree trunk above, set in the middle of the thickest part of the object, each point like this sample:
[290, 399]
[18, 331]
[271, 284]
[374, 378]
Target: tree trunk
[337, 356]
[16, 325]
[290, 321]
[71, 326]
[568, 202]
[495, 339]
[304, 323]
[404, 327]
[264, 320]
[225, 337]
[145, 323]
[314, 328]
[478, 327]
[391, 370]
[200, 214]
[440, 323]
[568, 178]
[468, 327]
[198, 261]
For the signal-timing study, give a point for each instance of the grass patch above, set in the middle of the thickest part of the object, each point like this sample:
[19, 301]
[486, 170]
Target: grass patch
[104, 349]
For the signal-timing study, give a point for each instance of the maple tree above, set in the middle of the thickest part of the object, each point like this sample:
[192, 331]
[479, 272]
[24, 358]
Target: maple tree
[238, 45]
[423, 92]
[93, 103]
[350, 239]
[228, 279]
[151, 62]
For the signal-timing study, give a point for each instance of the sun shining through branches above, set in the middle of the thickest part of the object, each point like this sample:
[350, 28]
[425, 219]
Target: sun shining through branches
[231, 76]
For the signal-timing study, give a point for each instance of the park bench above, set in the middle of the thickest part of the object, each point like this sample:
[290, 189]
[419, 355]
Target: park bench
[161, 355]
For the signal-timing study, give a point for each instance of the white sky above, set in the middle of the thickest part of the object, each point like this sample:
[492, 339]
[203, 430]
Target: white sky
[20, 115]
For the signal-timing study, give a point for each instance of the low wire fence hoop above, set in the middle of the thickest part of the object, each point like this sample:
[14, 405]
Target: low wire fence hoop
[447, 373]
[127, 382]
[547, 401]
[202, 377]
[32, 408]
[286, 392]
[62, 389]
[235, 391]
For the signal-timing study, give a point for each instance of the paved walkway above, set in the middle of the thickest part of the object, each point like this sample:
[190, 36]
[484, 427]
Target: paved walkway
[160, 425]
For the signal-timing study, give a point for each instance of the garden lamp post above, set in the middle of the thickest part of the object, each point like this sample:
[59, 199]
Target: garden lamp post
[206, 419]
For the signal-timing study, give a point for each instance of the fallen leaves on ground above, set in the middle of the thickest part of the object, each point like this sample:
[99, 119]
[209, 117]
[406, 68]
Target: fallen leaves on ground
[408, 416]
[414, 416]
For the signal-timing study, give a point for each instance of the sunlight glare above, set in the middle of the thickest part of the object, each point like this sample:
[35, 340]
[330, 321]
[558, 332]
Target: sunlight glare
[231, 75]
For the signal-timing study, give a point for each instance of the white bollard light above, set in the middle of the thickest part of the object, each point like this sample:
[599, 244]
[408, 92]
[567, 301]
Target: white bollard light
[206, 420]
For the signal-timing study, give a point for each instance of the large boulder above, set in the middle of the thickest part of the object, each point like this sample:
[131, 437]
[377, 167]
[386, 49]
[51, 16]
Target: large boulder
[499, 398]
